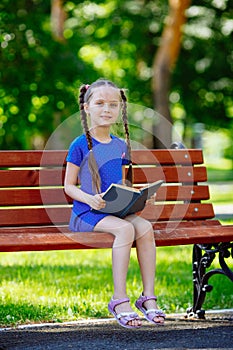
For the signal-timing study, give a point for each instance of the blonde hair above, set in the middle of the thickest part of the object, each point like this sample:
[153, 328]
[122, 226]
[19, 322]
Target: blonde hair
[86, 92]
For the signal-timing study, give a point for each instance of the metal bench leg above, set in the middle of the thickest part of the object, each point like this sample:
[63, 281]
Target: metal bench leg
[203, 256]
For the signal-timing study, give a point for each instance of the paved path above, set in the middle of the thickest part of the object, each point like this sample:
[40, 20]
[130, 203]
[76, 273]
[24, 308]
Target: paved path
[222, 211]
[216, 332]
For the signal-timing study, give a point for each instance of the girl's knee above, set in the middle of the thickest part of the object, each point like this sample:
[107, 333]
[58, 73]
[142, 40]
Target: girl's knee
[145, 230]
[148, 227]
[128, 230]
[142, 225]
[126, 233]
[125, 236]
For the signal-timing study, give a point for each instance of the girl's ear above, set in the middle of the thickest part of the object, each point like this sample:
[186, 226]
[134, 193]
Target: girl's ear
[86, 107]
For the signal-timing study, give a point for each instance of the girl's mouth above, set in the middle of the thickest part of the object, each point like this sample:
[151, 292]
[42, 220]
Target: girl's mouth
[106, 116]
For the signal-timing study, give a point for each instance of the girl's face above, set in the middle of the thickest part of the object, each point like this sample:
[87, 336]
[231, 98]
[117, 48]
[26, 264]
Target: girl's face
[103, 106]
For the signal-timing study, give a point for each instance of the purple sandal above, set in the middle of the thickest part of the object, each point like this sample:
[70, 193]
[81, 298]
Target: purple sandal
[124, 317]
[149, 314]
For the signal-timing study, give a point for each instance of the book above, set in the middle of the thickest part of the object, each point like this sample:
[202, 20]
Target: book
[122, 200]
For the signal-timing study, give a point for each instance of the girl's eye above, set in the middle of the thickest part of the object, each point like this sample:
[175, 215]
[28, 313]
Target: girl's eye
[114, 104]
[111, 104]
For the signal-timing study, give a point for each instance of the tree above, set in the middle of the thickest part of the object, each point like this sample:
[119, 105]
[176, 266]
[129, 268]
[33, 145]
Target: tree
[201, 80]
[58, 17]
[163, 65]
[41, 69]
[37, 88]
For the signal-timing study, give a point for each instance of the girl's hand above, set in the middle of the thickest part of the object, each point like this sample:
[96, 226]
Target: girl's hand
[97, 202]
[151, 200]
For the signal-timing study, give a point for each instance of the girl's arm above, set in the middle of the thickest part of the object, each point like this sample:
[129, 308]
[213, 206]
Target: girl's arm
[71, 189]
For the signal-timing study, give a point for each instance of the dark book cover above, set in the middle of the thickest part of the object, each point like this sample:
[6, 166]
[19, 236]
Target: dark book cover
[122, 200]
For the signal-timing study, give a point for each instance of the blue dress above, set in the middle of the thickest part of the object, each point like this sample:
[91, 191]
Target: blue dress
[109, 157]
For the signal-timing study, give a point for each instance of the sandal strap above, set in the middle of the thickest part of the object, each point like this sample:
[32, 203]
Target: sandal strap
[123, 318]
[157, 312]
[128, 315]
[144, 298]
[116, 302]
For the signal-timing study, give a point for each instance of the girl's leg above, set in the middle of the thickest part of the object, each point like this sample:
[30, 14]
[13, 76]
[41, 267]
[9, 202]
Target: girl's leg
[124, 237]
[146, 253]
[145, 246]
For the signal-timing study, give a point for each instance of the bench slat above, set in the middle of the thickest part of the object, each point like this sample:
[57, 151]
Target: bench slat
[54, 239]
[173, 193]
[163, 225]
[42, 216]
[47, 177]
[31, 178]
[170, 174]
[34, 216]
[168, 156]
[32, 158]
[36, 158]
[193, 211]
[171, 225]
[35, 196]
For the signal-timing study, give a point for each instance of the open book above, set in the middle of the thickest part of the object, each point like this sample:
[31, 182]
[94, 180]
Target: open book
[122, 200]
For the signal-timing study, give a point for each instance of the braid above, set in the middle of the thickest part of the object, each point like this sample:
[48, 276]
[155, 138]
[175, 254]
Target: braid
[93, 167]
[84, 117]
[129, 176]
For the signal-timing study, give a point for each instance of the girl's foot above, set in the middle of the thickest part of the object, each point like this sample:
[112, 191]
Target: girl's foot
[148, 306]
[123, 313]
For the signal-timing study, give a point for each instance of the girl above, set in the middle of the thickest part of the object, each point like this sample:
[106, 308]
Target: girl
[97, 158]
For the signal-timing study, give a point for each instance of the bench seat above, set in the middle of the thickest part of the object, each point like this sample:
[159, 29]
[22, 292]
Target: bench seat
[34, 238]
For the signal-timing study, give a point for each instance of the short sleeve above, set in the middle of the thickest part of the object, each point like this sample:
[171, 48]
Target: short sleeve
[125, 155]
[75, 153]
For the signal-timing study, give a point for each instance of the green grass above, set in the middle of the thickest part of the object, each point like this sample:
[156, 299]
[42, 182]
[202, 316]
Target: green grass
[220, 179]
[220, 170]
[221, 194]
[217, 175]
[70, 285]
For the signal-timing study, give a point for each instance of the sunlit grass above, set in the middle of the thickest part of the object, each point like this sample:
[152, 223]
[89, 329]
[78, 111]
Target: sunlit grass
[69, 285]
[221, 193]
[219, 170]
[220, 178]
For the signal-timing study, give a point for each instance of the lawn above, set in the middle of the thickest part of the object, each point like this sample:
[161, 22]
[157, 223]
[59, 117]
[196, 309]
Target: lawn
[69, 285]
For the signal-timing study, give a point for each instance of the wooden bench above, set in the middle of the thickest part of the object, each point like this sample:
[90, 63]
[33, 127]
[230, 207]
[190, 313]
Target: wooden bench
[34, 210]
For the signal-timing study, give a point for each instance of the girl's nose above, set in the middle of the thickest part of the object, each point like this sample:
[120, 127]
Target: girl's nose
[106, 107]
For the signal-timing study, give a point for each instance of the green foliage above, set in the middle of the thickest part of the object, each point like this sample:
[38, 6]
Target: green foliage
[37, 82]
[202, 75]
[217, 174]
[115, 39]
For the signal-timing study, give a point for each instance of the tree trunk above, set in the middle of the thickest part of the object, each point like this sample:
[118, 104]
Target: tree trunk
[163, 64]
[58, 17]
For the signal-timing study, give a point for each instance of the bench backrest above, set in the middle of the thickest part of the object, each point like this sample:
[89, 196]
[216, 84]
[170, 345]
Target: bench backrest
[31, 186]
